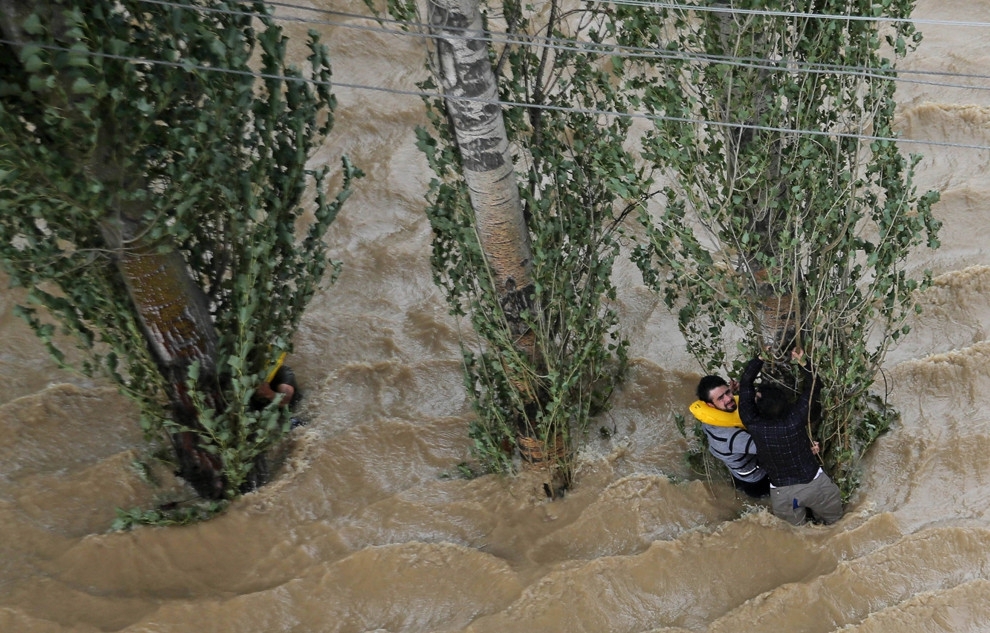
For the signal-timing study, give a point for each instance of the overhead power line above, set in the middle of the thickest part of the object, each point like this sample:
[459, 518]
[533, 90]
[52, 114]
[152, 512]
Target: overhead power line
[575, 45]
[420, 30]
[711, 8]
[716, 8]
[630, 52]
[588, 111]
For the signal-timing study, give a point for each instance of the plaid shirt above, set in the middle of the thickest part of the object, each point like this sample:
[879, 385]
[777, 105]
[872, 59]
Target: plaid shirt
[782, 444]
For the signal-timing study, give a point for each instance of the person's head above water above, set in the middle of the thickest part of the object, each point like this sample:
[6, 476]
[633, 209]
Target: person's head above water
[715, 392]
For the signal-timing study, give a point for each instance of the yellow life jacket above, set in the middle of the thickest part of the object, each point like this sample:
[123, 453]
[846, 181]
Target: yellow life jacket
[278, 365]
[708, 414]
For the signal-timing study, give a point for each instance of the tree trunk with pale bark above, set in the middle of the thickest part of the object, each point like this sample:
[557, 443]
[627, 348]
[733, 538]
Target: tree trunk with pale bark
[471, 98]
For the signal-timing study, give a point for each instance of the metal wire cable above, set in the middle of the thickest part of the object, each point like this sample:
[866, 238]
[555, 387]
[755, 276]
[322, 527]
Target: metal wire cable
[587, 111]
[791, 14]
[630, 52]
[705, 8]
[572, 45]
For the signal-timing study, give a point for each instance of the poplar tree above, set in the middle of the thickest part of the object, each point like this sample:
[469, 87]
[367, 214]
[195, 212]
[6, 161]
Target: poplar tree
[152, 166]
[790, 210]
[576, 184]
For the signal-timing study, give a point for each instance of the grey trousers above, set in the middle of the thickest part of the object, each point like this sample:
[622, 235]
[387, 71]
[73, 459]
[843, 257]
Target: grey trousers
[820, 495]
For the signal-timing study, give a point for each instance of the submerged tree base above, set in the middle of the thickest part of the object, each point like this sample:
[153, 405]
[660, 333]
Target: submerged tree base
[553, 458]
[178, 502]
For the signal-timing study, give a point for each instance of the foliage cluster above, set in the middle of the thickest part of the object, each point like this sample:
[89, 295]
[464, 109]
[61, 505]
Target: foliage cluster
[785, 214]
[166, 515]
[577, 182]
[155, 111]
[789, 217]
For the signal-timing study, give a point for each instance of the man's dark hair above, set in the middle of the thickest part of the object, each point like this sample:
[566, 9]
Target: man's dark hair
[706, 385]
[773, 402]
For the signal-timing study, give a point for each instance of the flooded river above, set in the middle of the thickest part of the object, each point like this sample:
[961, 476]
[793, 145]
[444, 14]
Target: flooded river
[369, 525]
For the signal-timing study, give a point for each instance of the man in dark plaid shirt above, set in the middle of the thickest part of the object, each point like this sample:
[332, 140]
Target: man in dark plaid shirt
[798, 485]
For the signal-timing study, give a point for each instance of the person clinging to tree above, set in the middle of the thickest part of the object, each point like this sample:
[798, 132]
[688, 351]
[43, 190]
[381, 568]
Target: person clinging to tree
[799, 488]
[728, 440]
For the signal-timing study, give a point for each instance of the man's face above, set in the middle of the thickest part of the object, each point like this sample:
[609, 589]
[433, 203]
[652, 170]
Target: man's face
[721, 399]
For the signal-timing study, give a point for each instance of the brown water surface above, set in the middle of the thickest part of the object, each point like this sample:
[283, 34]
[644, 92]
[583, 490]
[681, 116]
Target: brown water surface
[369, 528]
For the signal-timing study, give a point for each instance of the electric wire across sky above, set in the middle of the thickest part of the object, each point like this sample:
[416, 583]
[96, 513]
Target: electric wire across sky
[421, 30]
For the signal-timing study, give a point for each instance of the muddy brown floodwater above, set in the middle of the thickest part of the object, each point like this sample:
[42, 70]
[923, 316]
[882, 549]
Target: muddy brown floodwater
[368, 528]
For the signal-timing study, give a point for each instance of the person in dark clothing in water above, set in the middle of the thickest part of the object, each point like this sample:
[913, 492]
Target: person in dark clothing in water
[280, 381]
[283, 381]
[798, 485]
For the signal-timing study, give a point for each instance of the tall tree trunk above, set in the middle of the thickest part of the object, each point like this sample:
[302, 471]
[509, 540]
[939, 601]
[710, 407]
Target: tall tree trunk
[175, 319]
[476, 117]
[777, 307]
[170, 306]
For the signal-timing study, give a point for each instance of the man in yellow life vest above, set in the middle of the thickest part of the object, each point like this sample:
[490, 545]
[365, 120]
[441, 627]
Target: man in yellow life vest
[717, 408]
[280, 382]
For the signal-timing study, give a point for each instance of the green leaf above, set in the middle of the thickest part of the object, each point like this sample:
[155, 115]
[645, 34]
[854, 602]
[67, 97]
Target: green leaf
[34, 63]
[82, 86]
[33, 25]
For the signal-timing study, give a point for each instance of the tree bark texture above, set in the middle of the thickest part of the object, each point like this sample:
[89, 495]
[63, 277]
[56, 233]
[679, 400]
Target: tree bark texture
[476, 116]
[175, 319]
[172, 310]
[778, 315]
[776, 309]
[170, 306]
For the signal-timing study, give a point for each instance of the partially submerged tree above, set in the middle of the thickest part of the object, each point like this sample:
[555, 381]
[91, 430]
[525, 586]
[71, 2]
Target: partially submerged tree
[152, 164]
[576, 182]
[790, 212]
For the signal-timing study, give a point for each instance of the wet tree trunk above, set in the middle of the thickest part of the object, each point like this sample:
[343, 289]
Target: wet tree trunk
[175, 320]
[170, 306]
[476, 117]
